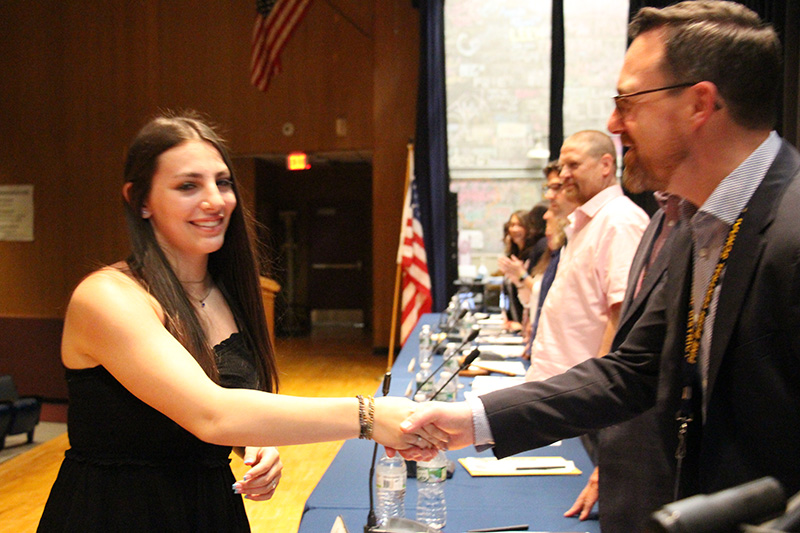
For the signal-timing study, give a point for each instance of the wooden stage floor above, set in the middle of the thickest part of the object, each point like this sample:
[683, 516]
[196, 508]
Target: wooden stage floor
[333, 362]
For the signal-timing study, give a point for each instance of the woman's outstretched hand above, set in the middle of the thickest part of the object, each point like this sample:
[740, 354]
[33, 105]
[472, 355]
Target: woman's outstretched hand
[390, 412]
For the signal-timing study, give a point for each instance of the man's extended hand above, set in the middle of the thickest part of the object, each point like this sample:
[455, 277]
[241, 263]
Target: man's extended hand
[440, 418]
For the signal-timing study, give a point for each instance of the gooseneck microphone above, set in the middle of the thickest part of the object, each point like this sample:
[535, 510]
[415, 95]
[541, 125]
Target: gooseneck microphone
[467, 361]
[372, 521]
[443, 338]
[722, 511]
[451, 322]
[471, 337]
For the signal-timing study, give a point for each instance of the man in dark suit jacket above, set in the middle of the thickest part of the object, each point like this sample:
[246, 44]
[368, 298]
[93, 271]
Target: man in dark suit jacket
[699, 91]
[628, 494]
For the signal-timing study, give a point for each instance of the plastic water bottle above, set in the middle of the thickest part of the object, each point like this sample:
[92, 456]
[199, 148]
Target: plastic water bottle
[390, 479]
[425, 345]
[431, 505]
[466, 325]
[448, 393]
[453, 365]
[426, 389]
[452, 312]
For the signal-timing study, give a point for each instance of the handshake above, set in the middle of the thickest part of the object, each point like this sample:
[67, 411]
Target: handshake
[418, 430]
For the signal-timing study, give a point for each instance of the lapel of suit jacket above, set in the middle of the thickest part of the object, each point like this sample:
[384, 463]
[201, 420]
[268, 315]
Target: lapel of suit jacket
[640, 259]
[677, 291]
[745, 256]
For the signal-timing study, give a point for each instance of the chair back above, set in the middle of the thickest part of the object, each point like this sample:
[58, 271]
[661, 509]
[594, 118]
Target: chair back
[8, 391]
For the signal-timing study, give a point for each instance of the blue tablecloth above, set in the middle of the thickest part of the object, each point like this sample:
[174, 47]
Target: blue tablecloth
[472, 502]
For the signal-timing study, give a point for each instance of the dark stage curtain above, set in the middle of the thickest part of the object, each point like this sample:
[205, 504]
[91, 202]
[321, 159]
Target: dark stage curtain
[430, 154]
[557, 63]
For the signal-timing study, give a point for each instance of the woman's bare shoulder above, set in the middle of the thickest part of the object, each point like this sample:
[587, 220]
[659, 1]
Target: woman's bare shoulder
[110, 288]
[104, 306]
[112, 277]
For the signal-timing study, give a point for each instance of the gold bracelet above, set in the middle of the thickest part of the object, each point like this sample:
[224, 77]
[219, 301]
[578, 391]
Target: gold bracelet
[366, 416]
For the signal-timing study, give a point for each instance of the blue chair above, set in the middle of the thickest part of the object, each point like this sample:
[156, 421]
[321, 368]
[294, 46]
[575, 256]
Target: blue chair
[17, 415]
[6, 417]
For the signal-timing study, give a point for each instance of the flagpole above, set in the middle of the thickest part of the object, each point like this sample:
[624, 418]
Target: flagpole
[398, 269]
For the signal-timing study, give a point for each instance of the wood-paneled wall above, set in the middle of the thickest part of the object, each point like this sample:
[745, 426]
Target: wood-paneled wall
[78, 79]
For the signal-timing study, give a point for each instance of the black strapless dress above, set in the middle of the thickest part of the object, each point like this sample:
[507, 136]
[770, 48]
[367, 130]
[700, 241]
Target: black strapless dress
[130, 468]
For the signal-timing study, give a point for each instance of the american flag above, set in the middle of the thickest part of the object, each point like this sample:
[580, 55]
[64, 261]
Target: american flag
[416, 286]
[275, 22]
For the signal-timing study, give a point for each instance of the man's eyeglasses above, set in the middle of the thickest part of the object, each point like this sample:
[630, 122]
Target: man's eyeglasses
[552, 187]
[622, 101]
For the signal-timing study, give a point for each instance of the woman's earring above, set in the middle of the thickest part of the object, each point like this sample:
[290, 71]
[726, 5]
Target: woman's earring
[145, 213]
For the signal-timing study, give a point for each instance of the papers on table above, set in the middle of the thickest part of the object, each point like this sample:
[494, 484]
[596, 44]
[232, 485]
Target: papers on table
[508, 368]
[484, 384]
[499, 339]
[519, 466]
[453, 345]
[500, 351]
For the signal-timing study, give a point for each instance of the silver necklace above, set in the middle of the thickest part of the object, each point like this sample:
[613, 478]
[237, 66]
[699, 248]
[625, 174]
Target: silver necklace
[208, 293]
[201, 301]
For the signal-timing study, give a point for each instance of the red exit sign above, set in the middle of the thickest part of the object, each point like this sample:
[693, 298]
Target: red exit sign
[297, 161]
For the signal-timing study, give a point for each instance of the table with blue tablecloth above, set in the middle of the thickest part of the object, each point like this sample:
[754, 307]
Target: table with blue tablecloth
[472, 502]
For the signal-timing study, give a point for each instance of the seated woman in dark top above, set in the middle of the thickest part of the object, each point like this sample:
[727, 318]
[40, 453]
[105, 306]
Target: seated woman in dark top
[526, 244]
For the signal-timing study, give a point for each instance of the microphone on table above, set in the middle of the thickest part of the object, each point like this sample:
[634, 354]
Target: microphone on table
[393, 524]
[465, 364]
[443, 331]
[471, 337]
[372, 520]
[468, 360]
[451, 323]
[722, 511]
[438, 344]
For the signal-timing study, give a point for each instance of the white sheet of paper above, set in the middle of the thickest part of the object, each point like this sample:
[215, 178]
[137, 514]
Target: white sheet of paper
[504, 351]
[500, 366]
[515, 466]
[499, 339]
[484, 384]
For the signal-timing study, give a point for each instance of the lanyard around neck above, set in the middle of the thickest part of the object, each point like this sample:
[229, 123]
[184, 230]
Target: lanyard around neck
[694, 328]
[694, 332]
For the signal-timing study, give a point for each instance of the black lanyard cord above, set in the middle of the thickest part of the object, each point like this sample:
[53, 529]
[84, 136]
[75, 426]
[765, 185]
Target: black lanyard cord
[694, 332]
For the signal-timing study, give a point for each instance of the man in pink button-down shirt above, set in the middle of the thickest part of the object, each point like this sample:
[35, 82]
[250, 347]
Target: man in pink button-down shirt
[581, 311]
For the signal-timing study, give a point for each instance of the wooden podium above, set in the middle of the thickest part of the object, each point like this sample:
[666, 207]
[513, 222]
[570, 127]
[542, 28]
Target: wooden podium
[269, 288]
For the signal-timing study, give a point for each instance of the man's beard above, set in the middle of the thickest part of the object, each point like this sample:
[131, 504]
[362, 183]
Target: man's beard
[637, 177]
